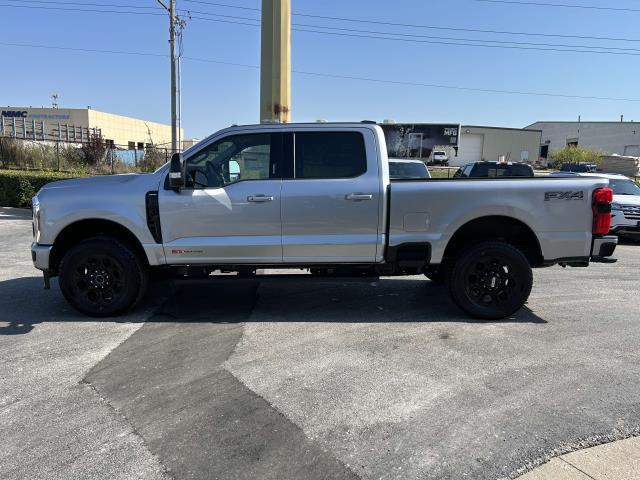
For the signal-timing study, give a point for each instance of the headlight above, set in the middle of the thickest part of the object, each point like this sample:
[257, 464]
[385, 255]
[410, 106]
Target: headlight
[616, 206]
[36, 219]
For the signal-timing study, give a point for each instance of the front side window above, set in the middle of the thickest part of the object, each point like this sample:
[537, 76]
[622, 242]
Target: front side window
[230, 160]
[329, 155]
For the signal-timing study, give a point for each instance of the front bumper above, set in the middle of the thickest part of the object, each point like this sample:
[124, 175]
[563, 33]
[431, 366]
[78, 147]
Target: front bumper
[40, 255]
[603, 247]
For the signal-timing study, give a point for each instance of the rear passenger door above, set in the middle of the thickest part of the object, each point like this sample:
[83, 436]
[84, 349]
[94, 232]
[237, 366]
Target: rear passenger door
[331, 206]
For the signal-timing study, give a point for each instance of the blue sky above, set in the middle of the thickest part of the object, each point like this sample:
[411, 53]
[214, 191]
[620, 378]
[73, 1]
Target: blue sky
[216, 95]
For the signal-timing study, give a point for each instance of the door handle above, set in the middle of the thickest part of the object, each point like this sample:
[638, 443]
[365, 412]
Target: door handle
[357, 197]
[260, 198]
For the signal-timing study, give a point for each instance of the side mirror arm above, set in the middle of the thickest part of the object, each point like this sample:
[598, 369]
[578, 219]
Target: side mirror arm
[176, 172]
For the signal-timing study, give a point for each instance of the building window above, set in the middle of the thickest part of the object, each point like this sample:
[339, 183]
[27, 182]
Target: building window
[572, 142]
[524, 156]
[140, 145]
[109, 143]
[132, 145]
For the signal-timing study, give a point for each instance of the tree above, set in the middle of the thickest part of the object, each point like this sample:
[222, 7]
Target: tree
[94, 150]
[574, 154]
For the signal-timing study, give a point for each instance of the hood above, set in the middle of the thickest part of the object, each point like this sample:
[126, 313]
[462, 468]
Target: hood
[98, 181]
[627, 199]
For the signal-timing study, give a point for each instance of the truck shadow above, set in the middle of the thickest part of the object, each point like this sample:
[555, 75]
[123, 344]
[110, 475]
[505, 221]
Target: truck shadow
[24, 303]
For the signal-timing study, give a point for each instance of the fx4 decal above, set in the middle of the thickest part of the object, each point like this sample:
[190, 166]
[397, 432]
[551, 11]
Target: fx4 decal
[563, 196]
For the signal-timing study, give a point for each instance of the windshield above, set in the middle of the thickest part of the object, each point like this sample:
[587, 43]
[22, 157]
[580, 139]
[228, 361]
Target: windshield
[407, 170]
[624, 187]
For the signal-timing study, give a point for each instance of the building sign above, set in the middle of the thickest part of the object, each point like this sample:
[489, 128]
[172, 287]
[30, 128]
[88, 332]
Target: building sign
[34, 116]
[417, 140]
[14, 113]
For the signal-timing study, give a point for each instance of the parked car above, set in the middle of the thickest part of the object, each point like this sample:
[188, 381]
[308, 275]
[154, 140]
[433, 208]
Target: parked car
[439, 157]
[401, 168]
[625, 209]
[578, 167]
[494, 169]
[311, 196]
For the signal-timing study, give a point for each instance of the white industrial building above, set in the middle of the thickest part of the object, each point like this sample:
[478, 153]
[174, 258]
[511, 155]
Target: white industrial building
[463, 143]
[622, 138]
[494, 144]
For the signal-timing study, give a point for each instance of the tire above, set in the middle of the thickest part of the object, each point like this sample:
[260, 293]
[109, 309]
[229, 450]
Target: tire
[102, 277]
[491, 280]
[436, 274]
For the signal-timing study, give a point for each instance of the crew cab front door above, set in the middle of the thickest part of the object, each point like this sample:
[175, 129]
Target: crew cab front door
[229, 211]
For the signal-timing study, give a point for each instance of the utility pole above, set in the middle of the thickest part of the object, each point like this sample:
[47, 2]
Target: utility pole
[275, 61]
[174, 89]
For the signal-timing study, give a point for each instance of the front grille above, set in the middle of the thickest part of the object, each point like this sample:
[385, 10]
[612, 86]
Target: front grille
[632, 212]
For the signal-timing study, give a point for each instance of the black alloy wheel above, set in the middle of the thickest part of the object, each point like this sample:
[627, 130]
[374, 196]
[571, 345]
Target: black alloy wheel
[491, 280]
[102, 277]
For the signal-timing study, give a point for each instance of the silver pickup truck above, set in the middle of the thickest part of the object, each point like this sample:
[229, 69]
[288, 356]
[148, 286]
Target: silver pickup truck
[317, 197]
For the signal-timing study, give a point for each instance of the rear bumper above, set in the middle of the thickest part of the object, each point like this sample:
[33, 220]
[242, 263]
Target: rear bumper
[603, 247]
[40, 255]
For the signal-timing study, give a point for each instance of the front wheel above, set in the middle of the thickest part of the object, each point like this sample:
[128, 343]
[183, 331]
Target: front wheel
[102, 277]
[491, 280]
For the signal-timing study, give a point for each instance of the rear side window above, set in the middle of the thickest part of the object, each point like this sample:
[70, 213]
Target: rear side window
[329, 155]
[520, 171]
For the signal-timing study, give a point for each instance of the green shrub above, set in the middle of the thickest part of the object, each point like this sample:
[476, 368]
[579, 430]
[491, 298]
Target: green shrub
[571, 154]
[18, 186]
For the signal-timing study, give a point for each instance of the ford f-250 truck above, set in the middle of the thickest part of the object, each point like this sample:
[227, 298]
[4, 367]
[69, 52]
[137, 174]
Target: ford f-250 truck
[314, 196]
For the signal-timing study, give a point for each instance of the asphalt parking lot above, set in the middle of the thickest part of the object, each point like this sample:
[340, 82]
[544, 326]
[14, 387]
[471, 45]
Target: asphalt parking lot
[311, 378]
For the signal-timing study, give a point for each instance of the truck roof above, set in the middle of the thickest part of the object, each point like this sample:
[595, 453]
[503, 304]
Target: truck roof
[287, 126]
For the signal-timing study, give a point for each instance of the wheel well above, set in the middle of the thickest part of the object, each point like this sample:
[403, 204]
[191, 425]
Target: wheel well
[83, 229]
[496, 227]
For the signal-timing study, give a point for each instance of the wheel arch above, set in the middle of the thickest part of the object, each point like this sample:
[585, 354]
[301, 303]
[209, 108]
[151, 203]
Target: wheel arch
[88, 228]
[496, 227]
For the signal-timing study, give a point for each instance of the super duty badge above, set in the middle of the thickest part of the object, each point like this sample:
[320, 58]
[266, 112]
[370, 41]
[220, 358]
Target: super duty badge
[563, 196]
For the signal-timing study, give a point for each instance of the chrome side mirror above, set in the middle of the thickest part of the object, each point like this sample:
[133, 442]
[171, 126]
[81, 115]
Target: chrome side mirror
[176, 174]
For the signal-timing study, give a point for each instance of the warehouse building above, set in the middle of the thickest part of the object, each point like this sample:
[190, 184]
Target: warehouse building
[622, 138]
[76, 125]
[495, 144]
[463, 143]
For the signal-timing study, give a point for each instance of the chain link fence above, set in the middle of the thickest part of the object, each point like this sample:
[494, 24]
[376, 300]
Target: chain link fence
[91, 156]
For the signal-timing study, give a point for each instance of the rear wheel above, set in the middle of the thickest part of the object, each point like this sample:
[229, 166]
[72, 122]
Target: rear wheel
[102, 277]
[490, 280]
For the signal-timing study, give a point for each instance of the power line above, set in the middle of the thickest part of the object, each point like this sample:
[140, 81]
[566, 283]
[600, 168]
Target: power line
[58, 2]
[75, 9]
[336, 76]
[560, 5]
[85, 50]
[442, 40]
[346, 19]
[434, 27]
[412, 35]
[434, 41]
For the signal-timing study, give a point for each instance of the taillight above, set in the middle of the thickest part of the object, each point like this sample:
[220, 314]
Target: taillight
[602, 198]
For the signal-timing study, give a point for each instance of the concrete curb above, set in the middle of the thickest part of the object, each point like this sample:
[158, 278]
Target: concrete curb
[619, 460]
